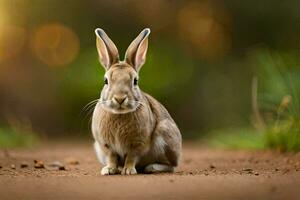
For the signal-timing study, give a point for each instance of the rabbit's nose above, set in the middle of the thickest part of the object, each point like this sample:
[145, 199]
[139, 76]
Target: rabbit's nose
[119, 99]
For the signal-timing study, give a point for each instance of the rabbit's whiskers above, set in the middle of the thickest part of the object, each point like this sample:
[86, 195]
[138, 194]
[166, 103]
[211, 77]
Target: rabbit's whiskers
[88, 108]
[92, 103]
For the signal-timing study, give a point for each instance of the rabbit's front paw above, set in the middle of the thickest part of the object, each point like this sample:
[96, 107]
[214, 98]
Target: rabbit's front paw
[129, 171]
[109, 170]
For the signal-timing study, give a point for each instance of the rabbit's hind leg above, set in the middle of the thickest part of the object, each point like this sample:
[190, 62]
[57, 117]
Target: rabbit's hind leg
[158, 168]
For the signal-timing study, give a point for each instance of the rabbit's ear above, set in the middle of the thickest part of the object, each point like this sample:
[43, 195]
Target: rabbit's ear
[137, 50]
[107, 50]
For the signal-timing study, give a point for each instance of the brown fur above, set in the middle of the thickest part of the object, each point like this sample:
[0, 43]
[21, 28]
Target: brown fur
[139, 132]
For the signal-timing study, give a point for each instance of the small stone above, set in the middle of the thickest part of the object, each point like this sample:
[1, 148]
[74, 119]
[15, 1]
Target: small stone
[39, 164]
[256, 174]
[72, 161]
[247, 169]
[212, 166]
[24, 165]
[12, 166]
[62, 168]
[56, 164]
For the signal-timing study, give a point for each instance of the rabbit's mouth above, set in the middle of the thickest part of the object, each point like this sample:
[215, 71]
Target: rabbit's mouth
[123, 110]
[120, 109]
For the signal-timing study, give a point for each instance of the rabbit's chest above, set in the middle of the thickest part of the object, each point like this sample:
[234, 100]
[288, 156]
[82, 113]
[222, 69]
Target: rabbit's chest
[121, 134]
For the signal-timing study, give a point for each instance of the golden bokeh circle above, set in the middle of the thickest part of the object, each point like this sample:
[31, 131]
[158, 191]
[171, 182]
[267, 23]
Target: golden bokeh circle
[204, 26]
[55, 44]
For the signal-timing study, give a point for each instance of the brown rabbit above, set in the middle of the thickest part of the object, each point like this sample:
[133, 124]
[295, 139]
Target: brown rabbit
[132, 130]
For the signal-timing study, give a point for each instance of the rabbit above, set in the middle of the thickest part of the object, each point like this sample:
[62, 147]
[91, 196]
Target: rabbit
[133, 132]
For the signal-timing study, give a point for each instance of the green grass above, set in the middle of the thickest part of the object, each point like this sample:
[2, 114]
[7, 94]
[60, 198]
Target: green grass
[278, 106]
[284, 136]
[237, 139]
[10, 138]
[283, 142]
[284, 139]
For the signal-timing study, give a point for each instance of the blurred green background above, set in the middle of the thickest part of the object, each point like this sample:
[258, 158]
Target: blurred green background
[227, 71]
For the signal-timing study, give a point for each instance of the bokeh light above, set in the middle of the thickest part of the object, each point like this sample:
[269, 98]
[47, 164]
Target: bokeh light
[153, 13]
[55, 44]
[203, 25]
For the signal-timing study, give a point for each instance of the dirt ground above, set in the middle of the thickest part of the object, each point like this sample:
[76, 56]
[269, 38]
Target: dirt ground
[203, 174]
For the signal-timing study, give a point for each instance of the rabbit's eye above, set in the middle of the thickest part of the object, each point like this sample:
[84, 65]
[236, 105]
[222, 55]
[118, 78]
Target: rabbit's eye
[135, 81]
[105, 81]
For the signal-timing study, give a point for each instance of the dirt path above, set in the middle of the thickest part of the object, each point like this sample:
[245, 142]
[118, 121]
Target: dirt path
[203, 174]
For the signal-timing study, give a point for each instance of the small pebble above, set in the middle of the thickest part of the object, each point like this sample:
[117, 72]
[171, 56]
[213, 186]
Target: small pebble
[212, 167]
[248, 170]
[12, 166]
[62, 168]
[72, 161]
[24, 165]
[38, 164]
[56, 164]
